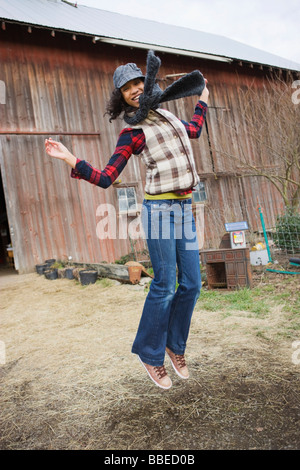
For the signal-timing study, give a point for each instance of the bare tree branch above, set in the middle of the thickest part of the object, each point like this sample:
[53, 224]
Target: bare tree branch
[264, 136]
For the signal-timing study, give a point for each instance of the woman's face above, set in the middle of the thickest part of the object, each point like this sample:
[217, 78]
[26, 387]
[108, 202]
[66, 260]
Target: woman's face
[132, 90]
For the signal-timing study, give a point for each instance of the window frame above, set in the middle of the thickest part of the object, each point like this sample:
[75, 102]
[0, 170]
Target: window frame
[202, 190]
[125, 199]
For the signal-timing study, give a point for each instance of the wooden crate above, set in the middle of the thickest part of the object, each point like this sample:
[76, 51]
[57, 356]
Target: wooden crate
[227, 268]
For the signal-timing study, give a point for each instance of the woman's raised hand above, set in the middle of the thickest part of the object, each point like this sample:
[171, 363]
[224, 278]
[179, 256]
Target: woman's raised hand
[205, 94]
[55, 149]
[58, 150]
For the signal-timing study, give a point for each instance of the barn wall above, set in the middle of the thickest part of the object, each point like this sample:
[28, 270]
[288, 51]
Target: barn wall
[58, 87]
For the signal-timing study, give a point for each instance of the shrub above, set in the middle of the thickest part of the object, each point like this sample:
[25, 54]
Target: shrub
[287, 232]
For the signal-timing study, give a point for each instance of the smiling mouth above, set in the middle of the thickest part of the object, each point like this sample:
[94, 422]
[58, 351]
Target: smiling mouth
[136, 98]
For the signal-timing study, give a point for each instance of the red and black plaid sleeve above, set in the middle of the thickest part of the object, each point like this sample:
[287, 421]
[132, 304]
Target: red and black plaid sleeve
[130, 141]
[194, 127]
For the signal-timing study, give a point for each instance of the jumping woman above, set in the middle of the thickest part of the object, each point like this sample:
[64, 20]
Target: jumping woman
[162, 141]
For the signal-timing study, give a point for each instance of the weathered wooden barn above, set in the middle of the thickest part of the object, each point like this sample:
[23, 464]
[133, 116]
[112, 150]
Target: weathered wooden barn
[56, 67]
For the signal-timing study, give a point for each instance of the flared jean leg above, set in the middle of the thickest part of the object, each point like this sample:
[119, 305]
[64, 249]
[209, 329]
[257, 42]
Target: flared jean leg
[185, 298]
[167, 315]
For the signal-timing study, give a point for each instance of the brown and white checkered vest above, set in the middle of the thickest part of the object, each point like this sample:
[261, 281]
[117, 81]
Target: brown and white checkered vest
[168, 154]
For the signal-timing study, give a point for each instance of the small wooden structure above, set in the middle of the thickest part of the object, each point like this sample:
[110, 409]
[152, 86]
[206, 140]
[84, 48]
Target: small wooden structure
[227, 268]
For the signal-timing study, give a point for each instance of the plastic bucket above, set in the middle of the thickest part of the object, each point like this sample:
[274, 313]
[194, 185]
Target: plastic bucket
[69, 273]
[49, 262]
[40, 268]
[88, 277]
[51, 274]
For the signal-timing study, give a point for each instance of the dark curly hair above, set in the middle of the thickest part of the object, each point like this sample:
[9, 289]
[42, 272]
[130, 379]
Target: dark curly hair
[116, 105]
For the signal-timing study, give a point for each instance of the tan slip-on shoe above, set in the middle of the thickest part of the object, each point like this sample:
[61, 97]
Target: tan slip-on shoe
[178, 363]
[159, 375]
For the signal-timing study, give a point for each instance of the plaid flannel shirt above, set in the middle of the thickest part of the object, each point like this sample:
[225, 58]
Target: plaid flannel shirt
[132, 141]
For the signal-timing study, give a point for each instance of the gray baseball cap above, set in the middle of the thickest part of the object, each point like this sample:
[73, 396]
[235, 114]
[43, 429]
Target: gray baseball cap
[127, 72]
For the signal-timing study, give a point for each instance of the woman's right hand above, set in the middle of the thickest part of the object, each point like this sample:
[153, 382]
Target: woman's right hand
[58, 150]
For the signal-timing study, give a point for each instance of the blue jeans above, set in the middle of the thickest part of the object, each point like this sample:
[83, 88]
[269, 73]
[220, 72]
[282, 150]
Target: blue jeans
[170, 230]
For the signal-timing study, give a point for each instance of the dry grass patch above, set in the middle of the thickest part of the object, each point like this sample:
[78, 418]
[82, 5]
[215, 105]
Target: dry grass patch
[71, 382]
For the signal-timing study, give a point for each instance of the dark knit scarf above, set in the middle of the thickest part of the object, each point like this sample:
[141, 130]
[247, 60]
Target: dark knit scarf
[191, 84]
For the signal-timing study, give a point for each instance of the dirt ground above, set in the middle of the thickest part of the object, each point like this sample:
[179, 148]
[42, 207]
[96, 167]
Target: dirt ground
[69, 380]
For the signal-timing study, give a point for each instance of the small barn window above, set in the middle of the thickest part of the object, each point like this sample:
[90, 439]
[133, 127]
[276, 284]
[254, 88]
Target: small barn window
[199, 194]
[127, 200]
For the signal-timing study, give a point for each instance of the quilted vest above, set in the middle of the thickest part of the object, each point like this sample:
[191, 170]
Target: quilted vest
[168, 154]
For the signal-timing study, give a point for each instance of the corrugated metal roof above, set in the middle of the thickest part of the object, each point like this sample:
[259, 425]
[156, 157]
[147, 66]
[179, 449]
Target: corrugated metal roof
[123, 29]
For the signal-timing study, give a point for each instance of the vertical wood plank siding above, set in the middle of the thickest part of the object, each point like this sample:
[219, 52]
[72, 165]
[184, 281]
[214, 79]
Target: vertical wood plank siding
[56, 85]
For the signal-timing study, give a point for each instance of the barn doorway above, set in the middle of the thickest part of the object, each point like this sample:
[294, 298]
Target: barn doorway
[6, 251]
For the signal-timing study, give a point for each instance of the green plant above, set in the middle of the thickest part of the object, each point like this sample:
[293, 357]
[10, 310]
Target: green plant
[287, 231]
[57, 265]
[239, 300]
[105, 282]
[124, 259]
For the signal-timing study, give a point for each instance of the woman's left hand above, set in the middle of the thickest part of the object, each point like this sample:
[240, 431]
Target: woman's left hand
[205, 93]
